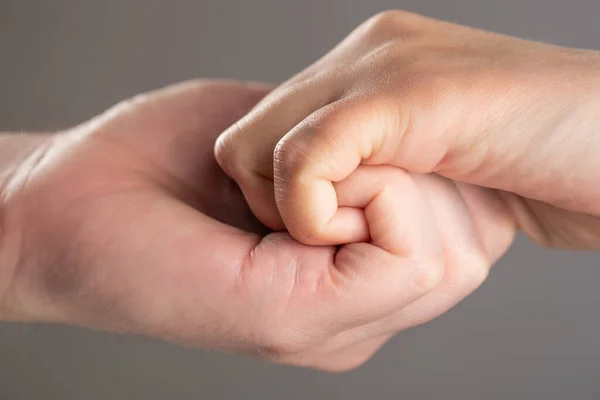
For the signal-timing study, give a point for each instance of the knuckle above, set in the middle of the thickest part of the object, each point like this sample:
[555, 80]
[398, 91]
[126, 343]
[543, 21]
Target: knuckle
[311, 140]
[472, 273]
[429, 273]
[276, 344]
[390, 23]
[386, 19]
[227, 153]
[199, 84]
[222, 150]
[289, 159]
[479, 273]
[291, 175]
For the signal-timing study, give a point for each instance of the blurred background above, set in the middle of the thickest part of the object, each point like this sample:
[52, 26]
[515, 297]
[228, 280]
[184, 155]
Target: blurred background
[531, 332]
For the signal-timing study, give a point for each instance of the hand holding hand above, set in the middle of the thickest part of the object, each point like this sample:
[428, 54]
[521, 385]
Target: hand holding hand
[517, 118]
[126, 223]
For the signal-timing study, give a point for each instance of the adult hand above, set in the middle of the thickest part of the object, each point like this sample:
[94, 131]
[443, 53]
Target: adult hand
[479, 109]
[126, 223]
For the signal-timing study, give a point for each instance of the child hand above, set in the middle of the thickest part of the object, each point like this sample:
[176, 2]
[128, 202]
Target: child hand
[429, 97]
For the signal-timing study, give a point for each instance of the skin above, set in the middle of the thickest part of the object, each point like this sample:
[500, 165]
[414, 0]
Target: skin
[495, 118]
[416, 147]
[127, 224]
[471, 134]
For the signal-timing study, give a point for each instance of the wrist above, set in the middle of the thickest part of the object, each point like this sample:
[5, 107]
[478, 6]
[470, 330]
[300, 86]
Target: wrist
[18, 156]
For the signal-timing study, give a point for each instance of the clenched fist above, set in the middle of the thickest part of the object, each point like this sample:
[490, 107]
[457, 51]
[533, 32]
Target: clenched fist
[126, 223]
[511, 125]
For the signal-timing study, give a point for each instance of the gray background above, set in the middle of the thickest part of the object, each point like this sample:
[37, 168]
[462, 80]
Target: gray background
[531, 332]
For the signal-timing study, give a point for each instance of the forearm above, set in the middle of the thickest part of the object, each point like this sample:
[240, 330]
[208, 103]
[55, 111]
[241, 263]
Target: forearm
[17, 150]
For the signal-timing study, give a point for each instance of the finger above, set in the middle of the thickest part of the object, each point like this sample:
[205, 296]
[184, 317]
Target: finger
[467, 258]
[326, 147]
[245, 150]
[396, 211]
[403, 261]
[304, 292]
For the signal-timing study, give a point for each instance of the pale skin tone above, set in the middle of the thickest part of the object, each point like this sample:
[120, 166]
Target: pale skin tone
[402, 164]
[126, 223]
